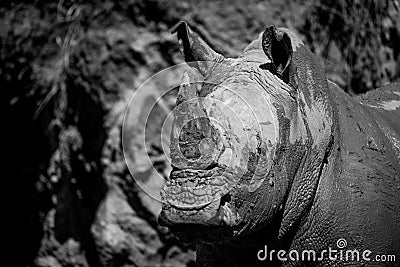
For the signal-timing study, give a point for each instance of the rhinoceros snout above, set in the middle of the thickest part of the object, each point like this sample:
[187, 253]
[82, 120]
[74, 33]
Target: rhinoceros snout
[193, 139]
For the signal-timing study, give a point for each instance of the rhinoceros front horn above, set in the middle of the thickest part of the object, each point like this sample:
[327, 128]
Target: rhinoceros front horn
[194, 48]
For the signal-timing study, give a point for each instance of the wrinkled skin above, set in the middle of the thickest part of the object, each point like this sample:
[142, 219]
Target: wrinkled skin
[267, 152]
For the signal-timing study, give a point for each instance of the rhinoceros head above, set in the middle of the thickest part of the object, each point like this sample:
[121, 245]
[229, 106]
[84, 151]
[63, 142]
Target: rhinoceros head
[242, 135]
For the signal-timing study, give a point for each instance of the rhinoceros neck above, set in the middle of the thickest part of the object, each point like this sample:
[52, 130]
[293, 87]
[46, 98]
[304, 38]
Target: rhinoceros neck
[360, 154]
[314, 103]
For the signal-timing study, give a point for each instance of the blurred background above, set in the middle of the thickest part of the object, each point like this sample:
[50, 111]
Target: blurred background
[67, 71]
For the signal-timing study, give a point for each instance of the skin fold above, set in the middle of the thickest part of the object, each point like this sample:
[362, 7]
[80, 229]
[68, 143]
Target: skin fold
[266, 152]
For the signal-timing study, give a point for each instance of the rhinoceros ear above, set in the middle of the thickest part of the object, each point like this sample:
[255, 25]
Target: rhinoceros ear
[277, 46]
[193, 47]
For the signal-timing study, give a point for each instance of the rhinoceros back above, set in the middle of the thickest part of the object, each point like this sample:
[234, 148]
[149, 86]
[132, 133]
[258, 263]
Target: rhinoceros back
[385, 105]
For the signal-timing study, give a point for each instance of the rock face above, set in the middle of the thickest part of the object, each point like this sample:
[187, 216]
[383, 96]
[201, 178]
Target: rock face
[358, 41]
[67, 72]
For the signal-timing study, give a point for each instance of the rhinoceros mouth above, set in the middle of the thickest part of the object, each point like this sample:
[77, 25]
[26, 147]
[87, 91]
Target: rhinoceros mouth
[195, 189]
[196, 197]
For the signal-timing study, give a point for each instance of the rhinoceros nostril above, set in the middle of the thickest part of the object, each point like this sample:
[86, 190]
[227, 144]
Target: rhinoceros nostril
[213, 165]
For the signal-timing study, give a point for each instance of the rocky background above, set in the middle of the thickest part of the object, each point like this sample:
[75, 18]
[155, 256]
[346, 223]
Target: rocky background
[67, 72]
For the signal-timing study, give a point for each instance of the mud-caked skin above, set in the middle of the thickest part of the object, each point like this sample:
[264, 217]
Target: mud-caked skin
[267, 153]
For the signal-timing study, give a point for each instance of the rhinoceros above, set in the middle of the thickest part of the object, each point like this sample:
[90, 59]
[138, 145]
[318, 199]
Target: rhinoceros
[275, 165]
